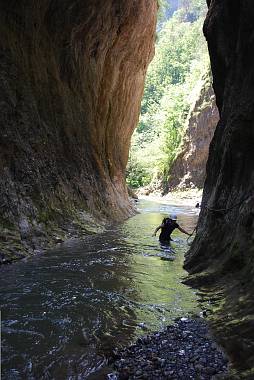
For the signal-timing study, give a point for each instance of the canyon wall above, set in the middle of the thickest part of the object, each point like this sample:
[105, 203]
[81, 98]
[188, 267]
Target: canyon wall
[221, 259]
[189, 168]
[71, 77]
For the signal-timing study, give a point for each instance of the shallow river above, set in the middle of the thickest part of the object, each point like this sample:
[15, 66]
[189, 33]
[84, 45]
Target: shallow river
[63, 311]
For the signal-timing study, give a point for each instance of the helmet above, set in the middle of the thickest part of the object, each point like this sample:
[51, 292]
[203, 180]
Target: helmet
[173, 216]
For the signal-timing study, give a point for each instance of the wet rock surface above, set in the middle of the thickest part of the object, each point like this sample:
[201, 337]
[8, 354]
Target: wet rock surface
[183, 351]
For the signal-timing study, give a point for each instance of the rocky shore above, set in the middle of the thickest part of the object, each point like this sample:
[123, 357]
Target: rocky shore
[188, 197]
[182, 351]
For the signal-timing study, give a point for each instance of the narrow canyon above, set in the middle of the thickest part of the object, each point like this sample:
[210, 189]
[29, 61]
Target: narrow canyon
[72, 77]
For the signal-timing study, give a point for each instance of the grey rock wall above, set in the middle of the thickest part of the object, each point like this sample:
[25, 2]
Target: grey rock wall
[221, 259]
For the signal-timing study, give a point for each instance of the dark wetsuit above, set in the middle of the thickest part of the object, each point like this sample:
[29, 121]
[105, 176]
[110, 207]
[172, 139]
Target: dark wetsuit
[168, 227]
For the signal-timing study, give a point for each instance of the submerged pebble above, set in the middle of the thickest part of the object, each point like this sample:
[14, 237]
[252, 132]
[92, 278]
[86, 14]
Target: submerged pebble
[182, 351]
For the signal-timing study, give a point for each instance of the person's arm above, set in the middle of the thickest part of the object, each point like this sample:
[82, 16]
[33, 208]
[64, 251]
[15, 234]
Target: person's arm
[157, 229]
[182, 230]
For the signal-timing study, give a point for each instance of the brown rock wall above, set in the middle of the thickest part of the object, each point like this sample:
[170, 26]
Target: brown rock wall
[189, 168]
[71, 77]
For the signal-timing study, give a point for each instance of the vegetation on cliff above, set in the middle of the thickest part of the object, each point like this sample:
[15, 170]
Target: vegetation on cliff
[189, 168]
[180, 60]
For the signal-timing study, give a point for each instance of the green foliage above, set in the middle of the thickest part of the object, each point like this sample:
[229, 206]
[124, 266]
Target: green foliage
[188, 10]
[179, 62]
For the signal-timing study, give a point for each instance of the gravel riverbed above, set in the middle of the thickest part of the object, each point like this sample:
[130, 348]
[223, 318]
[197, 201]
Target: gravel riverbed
[182, 351]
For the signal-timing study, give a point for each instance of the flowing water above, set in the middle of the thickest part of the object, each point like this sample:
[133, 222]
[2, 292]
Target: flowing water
[63, 311]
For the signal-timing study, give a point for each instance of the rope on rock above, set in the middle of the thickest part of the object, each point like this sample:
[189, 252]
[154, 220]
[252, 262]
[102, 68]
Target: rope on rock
[225, 210]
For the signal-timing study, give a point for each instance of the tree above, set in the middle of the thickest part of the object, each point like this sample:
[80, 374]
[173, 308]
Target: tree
[177, 66]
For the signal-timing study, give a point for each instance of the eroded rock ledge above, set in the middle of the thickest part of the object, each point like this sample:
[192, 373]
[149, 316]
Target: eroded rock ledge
[221, 258]
[71, 77]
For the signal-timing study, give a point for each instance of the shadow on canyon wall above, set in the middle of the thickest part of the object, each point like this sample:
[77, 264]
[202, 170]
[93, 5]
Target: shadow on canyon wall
[221, 258]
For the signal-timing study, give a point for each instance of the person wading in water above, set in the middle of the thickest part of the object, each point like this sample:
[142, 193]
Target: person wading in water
[167, 226]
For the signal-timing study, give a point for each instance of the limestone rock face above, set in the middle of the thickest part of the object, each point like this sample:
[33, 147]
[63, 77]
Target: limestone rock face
[189, 168]
[222, 255]
[71, 77]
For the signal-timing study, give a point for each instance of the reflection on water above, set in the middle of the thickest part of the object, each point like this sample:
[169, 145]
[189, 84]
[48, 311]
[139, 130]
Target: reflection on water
[63, 311]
